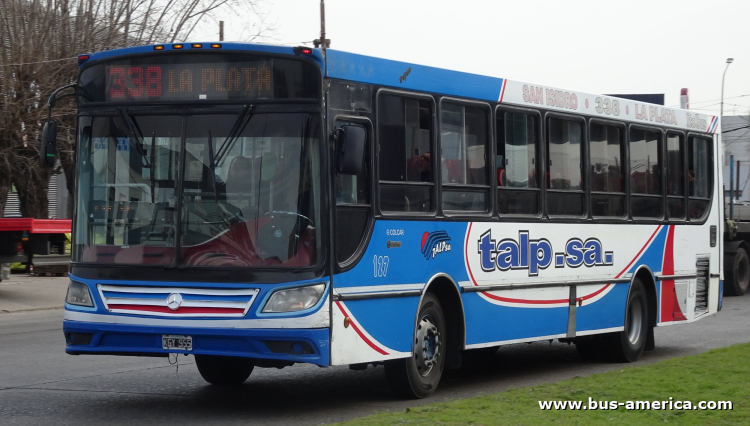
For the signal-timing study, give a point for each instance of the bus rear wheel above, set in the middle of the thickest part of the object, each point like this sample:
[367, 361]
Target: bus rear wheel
[224, 370]
[737, 268]
[418, 376]
[628, 345]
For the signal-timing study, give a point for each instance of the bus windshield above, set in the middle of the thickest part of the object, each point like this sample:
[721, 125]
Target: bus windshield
[236, 189]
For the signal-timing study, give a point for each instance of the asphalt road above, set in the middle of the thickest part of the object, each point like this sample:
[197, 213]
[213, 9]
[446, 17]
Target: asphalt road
[41, 385]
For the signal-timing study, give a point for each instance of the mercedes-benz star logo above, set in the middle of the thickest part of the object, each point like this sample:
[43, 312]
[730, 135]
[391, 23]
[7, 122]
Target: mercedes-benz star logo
[174, 301]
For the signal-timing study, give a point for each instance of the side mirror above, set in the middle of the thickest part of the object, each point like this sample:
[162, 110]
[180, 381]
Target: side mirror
[49, 144]
[351, 148]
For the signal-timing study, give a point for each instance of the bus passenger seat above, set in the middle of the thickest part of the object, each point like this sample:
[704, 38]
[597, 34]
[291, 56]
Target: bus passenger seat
[500, 177]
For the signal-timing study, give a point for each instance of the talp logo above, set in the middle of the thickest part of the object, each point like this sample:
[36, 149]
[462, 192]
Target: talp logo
[434, 243]
[537, 254]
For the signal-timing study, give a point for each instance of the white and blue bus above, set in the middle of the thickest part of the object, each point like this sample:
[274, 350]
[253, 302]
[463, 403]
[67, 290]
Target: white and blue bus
[259, 206]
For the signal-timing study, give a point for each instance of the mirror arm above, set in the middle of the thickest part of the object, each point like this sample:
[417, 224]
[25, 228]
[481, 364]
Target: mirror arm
[53, 98]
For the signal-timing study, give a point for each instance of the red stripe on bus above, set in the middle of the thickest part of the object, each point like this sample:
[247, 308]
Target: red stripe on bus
[502, 92]
[359, 332]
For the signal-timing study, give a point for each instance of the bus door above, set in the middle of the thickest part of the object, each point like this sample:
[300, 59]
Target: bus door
[353, 212]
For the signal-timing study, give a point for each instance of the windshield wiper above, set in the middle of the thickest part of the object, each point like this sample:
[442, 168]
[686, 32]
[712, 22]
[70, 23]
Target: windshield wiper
[153, 161]
[213, 166]
[239, 124]
[132, 127]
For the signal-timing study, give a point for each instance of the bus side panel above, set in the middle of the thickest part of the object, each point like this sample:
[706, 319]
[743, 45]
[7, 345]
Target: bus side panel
[488, 324]
[607, 313]
[381, 294]
[372, 330]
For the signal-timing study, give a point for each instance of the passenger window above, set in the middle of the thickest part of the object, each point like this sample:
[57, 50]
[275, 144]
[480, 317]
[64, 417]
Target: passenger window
[675, 176]
[463, 158]
[607, 177]
[405, 158]
[565, 180]
[516, 165]
[700, 176]
[645, 173]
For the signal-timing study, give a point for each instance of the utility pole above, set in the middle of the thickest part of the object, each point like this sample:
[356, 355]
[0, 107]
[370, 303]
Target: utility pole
[322, 41]
[221, 30]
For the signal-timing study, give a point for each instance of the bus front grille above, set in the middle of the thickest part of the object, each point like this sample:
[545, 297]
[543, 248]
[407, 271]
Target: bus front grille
[176, 301]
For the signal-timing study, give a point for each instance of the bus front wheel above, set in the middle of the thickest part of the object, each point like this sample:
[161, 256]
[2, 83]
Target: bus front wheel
[418, 376]
[224, 370]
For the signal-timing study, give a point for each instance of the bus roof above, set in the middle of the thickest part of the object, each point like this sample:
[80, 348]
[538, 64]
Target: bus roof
[414, 77]
[407, 76]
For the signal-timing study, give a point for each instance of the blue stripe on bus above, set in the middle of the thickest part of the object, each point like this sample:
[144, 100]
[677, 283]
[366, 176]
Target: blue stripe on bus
[606, 312]
[406, 76]
[389, 321]
[487, 322]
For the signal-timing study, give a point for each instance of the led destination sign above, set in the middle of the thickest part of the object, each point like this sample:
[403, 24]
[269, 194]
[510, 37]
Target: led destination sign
[190, 81]
[197, 78]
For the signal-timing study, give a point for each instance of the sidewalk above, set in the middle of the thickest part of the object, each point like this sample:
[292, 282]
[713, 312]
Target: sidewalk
[26, 293]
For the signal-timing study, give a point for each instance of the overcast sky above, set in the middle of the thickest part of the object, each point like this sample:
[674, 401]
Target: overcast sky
[654, 46]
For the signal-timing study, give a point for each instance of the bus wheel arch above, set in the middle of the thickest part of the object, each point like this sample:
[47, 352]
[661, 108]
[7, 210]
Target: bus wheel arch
[639, 320]
[437, 342]
[449, 295]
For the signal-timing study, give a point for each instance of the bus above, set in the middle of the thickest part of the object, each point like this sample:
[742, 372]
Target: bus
[260, 206]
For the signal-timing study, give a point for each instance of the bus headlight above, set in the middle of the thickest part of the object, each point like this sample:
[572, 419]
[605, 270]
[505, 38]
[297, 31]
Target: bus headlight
[79, 294]
[294, 299]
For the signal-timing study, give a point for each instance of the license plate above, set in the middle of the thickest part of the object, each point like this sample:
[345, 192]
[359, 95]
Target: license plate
[184, 343]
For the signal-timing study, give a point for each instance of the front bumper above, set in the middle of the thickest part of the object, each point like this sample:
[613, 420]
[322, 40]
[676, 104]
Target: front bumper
[142, 340]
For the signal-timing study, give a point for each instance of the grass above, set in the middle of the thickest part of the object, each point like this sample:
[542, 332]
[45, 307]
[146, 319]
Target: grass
[717, 375]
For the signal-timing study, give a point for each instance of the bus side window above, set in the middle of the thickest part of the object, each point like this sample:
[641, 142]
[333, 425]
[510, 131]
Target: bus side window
[606, 169]
[516, 163]
[565, 193]
[700, 177]
[675, 176]
[463, 158]
[645, 173]
[405, 133]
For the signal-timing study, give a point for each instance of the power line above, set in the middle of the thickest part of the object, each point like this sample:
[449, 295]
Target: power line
[38, 62]
[712, 100]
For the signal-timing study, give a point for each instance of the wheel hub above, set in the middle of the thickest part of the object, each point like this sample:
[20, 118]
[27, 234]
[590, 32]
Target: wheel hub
[427, 345]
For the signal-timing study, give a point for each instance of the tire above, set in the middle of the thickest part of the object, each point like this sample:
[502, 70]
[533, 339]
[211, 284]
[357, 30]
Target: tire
[628, 345]
[418, 376]
[737, 270]
[224, 370]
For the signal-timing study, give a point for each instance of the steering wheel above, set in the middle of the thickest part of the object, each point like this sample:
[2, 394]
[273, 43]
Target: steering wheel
[280, 236]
